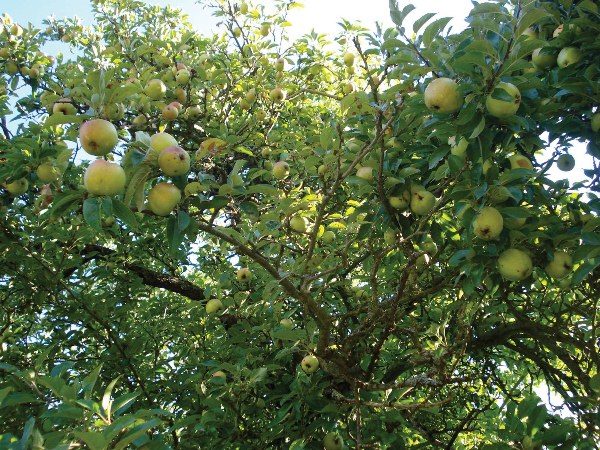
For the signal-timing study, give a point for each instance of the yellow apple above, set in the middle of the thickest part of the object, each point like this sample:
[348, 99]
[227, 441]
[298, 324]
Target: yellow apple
[309, 364]
[183, 76]
[560, 266]
[169, 112]
[163, 198]
[488, 224]
[443, 96]
[174, 161]
[504, 108]
[104, 178]
[244, 8]
[98, 137]
[514, 264]
[518, 161]
[161, 141]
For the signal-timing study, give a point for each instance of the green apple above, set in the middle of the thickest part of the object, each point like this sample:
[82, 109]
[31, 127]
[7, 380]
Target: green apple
[390, 237]
[328, 237]
[560, 265]
[277, 95]
[213, 306]
[595, 122]
[565, 162]
[569, 56]
[298, 224]
[422, 202]
[98, 137]
[488, 224]
[104, 178]
[503, 109]
[498, 194]
[530, 33]
[333, 441]
[458, 149]
[542, 59]
[244, 8]
[309, 364]
[400, 203]
[155, 89]
[514, 264]
[163, 198]
[348, 59]
[183, 76]
[443, 96]
[243, 274]
[281, 170]
[139, 121]
[174, 161]
[265, 29]
[47, 172]
[487, 165]
[17, 187]
[514, 223]
[365, 173]
[286, 323]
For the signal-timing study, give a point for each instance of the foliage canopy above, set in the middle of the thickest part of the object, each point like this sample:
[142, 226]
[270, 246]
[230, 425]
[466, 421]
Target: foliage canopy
[328, 212]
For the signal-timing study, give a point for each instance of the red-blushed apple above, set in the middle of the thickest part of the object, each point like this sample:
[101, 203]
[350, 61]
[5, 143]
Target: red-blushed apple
[174, 161]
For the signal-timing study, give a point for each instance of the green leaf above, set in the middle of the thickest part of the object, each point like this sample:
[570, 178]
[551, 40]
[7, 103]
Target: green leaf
[106, 398]
[59, 119]
[530, 18]
[421, 21]
[584, 270]
[136, 433]
[27, 430]
[478, 129]
[92, 212]
[124, 214]
[288, 335]
[433, 29]
[94, 440]
[397, 15]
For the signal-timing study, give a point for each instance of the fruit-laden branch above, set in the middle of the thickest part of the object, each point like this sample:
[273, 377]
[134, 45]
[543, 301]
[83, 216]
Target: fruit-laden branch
[149, 277]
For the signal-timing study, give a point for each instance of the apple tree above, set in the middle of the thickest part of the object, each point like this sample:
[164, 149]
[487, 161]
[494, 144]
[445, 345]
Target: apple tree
[243, 240]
